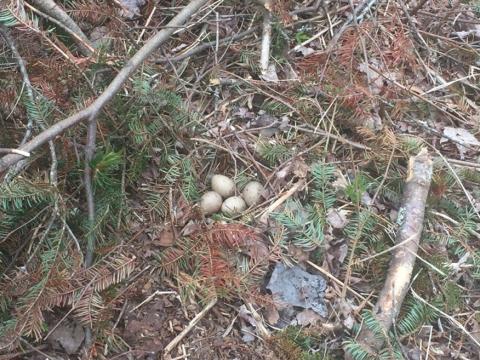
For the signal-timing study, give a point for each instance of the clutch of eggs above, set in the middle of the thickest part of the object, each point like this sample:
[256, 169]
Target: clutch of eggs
[224, 187]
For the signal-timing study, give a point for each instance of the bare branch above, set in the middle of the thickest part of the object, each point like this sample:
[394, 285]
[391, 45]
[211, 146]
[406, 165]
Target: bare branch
[266, 42]
[150, 46]
[85, 46]
[14, 151]
[57, 13]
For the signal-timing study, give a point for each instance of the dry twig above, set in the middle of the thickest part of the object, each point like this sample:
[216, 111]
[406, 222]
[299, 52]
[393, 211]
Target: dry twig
[189, 327]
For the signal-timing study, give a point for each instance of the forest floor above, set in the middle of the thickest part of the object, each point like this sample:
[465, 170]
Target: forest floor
[327, 104]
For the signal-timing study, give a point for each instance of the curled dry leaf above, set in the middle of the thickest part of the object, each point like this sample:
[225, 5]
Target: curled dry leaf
[271, 314]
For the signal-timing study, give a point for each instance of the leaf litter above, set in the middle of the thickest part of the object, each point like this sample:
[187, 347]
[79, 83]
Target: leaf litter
[375, 76]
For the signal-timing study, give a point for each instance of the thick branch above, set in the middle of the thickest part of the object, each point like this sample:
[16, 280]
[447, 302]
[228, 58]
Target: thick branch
[407, 240]
[150, 46]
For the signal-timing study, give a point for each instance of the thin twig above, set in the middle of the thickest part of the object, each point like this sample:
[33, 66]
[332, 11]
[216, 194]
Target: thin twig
[339, 282]
[449, 318]
[204, 46]
[266, 213]
[189, 327]
[29, 90]
[14, 151]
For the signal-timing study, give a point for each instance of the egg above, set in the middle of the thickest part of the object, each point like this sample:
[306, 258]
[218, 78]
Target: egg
[223, 185]
[210, 202]
[252, 193]
[233, 206]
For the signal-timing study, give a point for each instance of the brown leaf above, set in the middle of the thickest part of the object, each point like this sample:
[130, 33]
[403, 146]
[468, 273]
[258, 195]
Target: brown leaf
[165, 238]
[271, 314]
[298, 253]
[307, 317]
[300, 168]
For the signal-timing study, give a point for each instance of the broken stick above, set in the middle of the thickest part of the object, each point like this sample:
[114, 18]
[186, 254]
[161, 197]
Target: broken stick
[401, 266]
[190, 326]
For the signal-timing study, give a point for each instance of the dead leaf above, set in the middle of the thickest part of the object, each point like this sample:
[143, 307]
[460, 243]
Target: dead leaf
[271, 314]
[462, 138]
[366, 199]
[340, 182]
[165, 238]
[307, 317]
[130, 8]
[460, 135]
[298, 253]
[190, 228]
[300, 168]
[68, 336]
[337, 219]
[375, 80]
[305, 50]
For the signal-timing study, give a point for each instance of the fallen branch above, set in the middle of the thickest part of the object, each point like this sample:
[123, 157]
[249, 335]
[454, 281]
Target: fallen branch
[401, 266]
[85, 46]
[56, 12]
[122, 76]
[266, 41]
